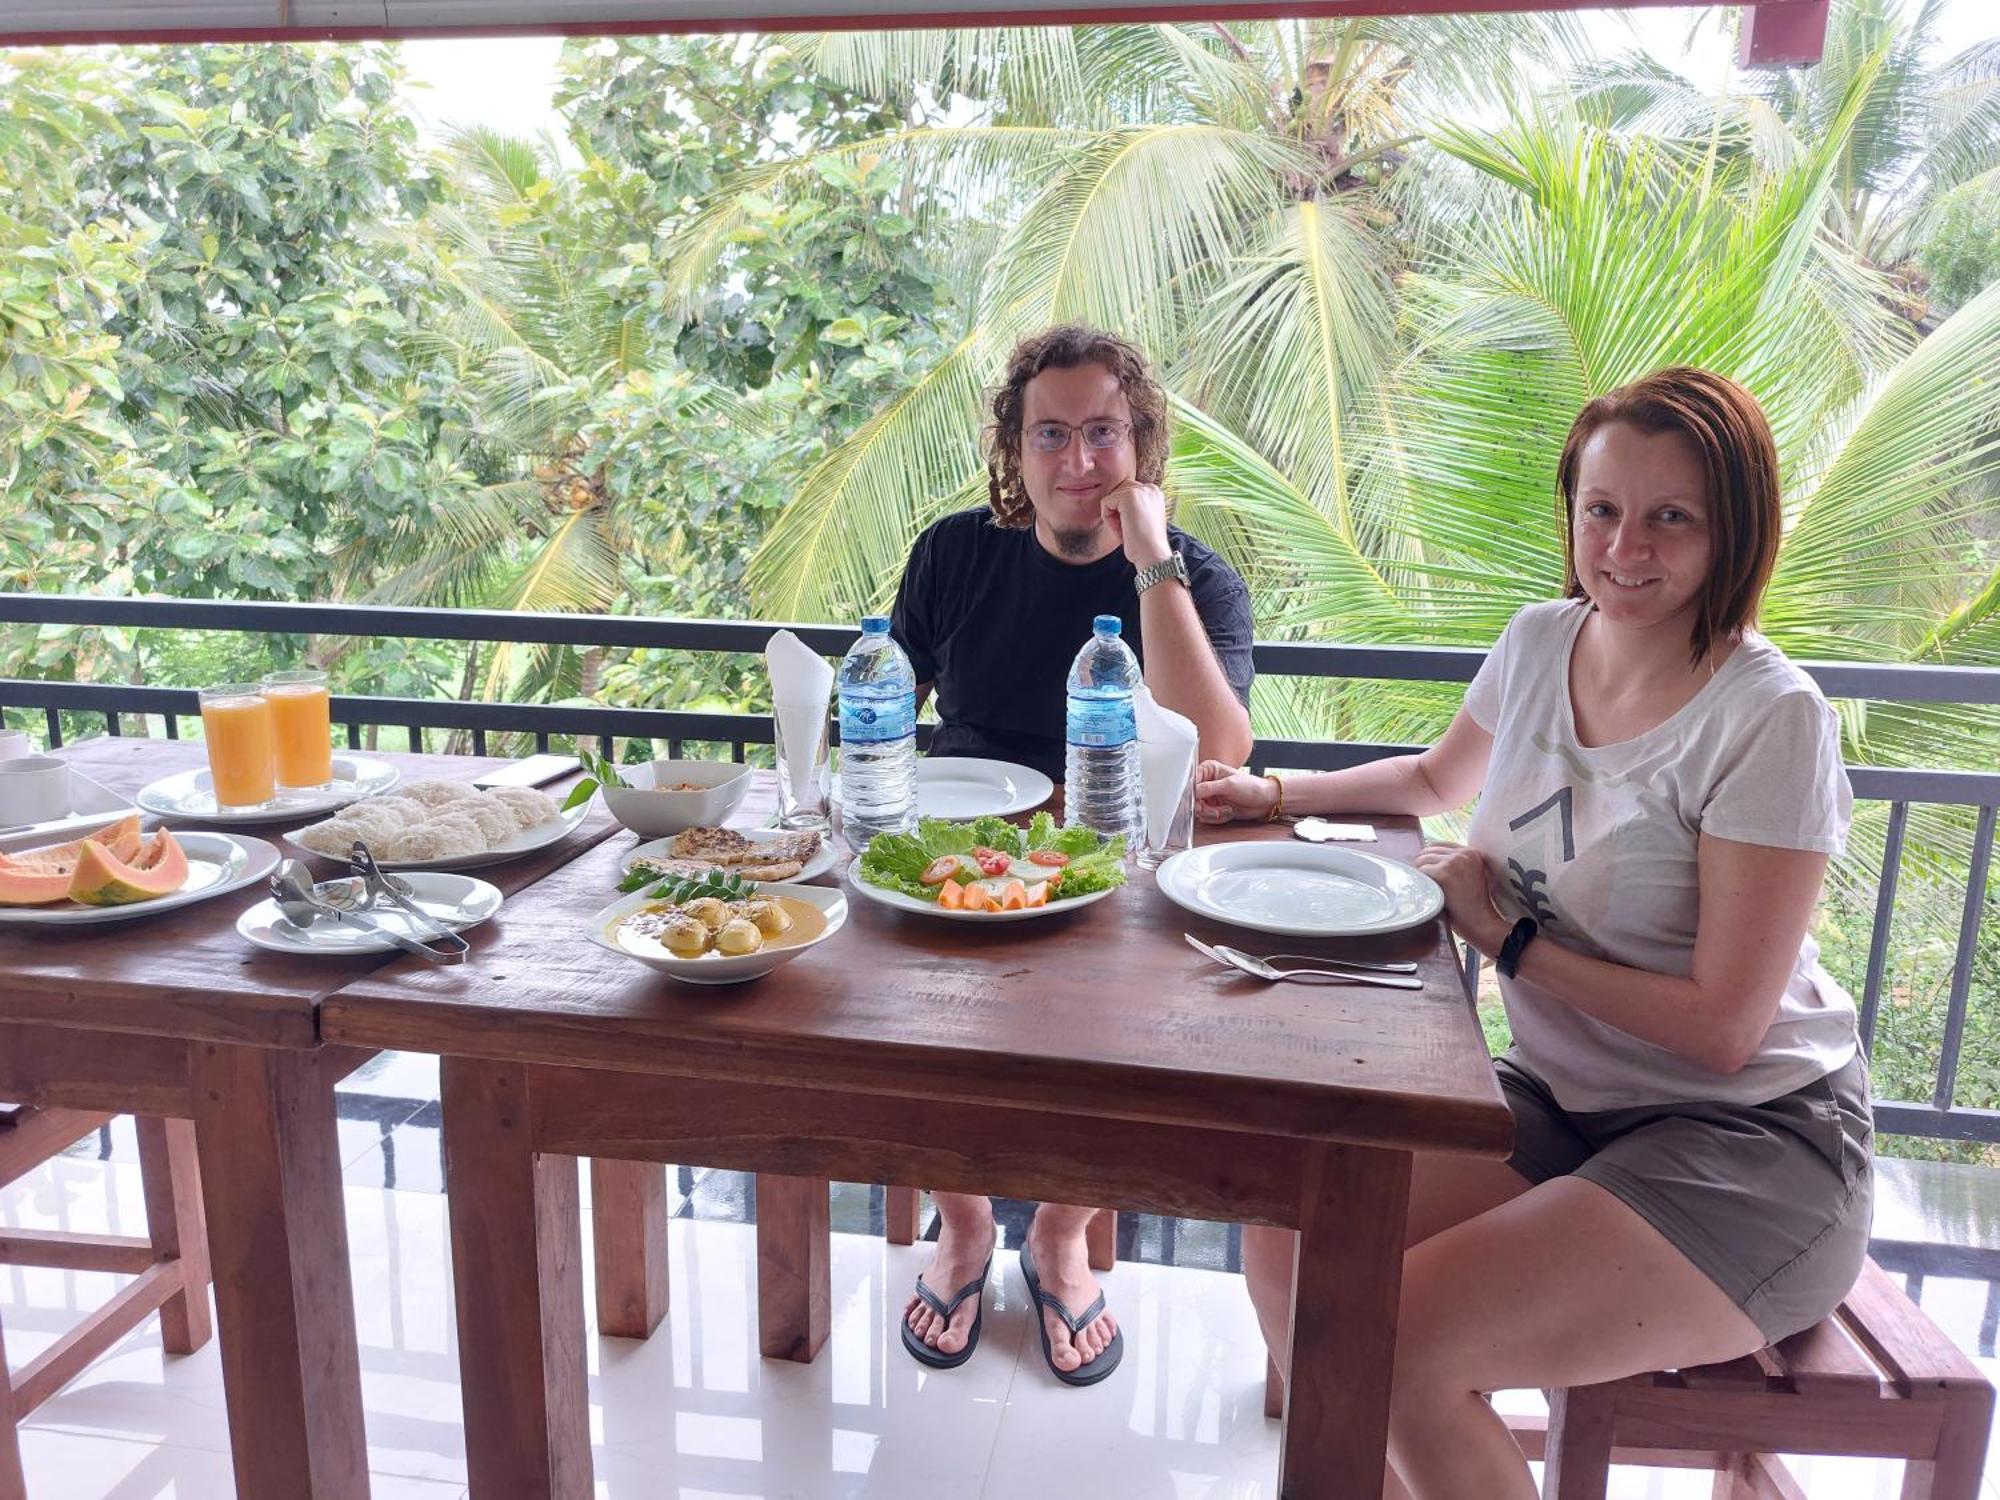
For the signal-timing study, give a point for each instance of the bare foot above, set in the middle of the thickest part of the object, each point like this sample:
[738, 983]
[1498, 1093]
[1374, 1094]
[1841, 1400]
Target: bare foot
[1063, 1264]
[962, 1253]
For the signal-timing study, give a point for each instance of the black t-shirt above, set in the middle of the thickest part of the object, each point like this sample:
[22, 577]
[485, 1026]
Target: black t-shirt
[994, 622]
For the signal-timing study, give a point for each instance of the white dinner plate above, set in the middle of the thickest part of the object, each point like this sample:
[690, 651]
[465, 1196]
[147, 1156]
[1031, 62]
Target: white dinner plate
[218, 863]
[819, 864]
[964, 787]
[191, 794]
[715, 968]
[527, 841]
[455, 901]
[904, 902]
[1296, 889]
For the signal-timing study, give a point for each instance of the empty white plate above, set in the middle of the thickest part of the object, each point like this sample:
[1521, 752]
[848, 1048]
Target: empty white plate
[963, 787]
[1300, 890]
[456, 901]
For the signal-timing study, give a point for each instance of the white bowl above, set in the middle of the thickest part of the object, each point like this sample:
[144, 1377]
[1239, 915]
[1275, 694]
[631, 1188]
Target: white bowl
[650, 813]
[713, 968]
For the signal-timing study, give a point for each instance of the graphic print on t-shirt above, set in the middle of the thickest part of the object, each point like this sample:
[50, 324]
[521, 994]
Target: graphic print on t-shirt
[1547, 840]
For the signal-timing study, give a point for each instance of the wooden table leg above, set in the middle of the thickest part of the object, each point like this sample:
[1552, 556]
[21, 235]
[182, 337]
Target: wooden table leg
[517, 1268]
[170, 1170]
[902, 1215]
[277, 1233]
[628, 1237]
[1348, 1281]
[13, 1483]
[794, 1271]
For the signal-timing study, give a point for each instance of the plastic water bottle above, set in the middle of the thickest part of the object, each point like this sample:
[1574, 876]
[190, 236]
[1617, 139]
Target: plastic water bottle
[878, 736]
[1101, 786]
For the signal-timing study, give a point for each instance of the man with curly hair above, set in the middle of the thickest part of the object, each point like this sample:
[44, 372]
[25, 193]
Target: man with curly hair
[994, 604]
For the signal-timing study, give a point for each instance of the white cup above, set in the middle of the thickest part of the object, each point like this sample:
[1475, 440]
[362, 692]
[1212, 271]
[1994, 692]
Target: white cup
[33, 789]
[14, 744]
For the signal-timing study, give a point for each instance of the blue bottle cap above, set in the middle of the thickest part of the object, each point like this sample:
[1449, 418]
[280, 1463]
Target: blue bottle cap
[1108, 625]
[874, 624]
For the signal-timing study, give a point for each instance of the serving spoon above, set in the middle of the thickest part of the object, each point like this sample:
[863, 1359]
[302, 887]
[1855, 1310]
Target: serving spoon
[292, 889]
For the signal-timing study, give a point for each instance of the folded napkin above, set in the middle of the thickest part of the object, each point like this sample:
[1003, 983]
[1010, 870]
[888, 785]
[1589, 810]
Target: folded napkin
[1167, 745]
[801, 689]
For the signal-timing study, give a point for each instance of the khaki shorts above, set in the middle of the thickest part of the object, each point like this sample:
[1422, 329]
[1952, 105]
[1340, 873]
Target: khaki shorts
[1772, 1202]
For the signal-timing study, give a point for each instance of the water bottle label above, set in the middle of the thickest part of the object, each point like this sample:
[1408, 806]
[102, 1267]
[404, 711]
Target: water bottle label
[877, 721]
[1101, 724]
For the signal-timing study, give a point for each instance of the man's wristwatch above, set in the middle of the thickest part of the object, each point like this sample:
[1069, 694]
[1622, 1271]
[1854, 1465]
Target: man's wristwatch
[1173, 565]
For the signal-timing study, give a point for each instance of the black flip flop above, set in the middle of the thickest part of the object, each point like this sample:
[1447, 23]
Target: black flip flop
[1107, 1357]
[923, 1353]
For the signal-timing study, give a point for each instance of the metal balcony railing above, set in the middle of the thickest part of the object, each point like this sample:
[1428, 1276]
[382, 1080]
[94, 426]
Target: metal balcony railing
[1900, 788]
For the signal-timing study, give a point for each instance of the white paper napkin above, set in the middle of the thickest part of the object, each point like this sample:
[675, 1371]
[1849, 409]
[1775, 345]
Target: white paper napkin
[1167, 744]
[801, 689]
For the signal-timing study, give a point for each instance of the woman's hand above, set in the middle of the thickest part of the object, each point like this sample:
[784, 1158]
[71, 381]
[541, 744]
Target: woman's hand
[1467, 882]
[1223, 793]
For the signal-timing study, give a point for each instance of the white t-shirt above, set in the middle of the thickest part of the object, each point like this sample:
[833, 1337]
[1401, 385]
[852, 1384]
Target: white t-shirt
[1599, 846]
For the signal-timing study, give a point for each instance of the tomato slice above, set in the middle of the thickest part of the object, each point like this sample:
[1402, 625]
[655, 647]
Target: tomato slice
[951, 896]
[939, 870]
[991, 861]
[1048, 859]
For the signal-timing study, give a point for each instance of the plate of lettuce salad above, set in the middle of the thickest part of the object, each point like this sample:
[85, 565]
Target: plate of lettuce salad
[989, 870]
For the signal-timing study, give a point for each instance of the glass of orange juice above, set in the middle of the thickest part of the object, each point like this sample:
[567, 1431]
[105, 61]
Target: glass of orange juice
[242, 751]
[302, 715]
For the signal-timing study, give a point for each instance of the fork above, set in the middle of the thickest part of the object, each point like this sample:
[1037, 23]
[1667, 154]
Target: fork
[1257, 968]
[1315, 961]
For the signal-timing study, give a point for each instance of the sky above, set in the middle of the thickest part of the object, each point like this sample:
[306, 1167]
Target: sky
[507, 83]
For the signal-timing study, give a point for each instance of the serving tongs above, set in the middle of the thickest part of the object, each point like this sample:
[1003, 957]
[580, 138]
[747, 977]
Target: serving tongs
[305, 903]
[381, 886]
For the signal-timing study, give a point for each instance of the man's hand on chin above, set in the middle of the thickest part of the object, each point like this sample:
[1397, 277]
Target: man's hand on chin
[1137, 516]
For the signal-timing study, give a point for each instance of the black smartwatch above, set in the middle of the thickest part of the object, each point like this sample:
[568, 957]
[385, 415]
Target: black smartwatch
[1508, 959]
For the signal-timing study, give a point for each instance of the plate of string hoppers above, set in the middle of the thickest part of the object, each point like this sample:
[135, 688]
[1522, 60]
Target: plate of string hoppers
[443, 825]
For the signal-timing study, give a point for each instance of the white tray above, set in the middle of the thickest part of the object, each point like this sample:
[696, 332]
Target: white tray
[90, 806]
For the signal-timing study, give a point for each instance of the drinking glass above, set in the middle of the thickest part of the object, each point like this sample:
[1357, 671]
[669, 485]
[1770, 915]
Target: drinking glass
[242, 744]
[302, 718]
[805, 776]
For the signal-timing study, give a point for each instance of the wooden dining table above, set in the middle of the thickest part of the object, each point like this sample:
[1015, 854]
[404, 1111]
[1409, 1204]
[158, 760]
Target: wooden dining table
[175, 1015]
[1089, 1056]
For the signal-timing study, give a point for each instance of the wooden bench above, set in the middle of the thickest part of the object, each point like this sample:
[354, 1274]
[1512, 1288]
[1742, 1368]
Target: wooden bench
[169, 1267]
[1875, 1380]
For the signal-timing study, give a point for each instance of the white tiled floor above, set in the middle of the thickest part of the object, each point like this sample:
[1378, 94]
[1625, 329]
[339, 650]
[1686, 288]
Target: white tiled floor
[693, 1413]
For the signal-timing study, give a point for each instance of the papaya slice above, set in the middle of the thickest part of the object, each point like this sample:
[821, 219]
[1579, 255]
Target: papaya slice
[159, 869]
[33, 877]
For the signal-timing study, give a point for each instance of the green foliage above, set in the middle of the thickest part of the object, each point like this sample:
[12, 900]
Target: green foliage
[1961, 254]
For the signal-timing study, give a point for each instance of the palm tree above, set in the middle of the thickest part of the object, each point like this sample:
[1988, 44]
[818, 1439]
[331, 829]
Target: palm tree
[1924, 130]
[1378, 457]
[538, 340]
[1210, 190]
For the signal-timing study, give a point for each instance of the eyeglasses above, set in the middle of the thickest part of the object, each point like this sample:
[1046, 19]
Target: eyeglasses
[1053, 437]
